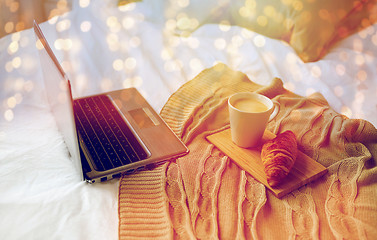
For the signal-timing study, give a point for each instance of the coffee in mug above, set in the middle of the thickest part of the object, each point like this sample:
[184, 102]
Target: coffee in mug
[250, 105]
[249, 114]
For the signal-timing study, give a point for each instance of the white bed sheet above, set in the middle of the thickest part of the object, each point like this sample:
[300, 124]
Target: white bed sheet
[104, 48]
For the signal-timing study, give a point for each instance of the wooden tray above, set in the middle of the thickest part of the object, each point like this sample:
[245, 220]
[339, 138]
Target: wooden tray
[304, 171]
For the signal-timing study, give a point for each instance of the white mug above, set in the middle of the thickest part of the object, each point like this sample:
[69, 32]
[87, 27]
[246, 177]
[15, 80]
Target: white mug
[249, 114]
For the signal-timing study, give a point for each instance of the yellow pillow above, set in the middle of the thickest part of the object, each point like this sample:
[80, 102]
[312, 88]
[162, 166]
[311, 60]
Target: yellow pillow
[311, 27]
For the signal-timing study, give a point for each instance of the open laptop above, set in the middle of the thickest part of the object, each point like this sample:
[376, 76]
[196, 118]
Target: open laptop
[106, 134]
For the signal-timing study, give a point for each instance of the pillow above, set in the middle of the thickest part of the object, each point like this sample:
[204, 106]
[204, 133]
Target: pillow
[311, 27]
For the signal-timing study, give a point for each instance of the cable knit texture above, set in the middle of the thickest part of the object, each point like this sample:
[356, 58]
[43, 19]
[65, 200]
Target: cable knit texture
[205, 195]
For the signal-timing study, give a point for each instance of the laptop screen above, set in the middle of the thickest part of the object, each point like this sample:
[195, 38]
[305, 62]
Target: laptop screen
[59, 97]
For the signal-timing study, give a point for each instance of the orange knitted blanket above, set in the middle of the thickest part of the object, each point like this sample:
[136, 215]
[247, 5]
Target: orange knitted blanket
[204, 195]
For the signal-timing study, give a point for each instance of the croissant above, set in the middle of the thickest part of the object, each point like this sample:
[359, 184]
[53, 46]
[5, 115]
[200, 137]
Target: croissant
[278, 157]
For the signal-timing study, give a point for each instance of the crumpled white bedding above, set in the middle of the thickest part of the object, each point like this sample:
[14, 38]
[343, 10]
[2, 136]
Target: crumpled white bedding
[102, 48]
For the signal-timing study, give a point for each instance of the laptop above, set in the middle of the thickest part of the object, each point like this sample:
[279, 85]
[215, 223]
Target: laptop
[106, 134]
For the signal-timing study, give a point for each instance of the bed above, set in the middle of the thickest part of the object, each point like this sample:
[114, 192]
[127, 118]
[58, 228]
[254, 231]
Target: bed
[158, 46]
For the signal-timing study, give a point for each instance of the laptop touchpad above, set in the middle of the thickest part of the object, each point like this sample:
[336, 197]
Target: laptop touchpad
[144, 117]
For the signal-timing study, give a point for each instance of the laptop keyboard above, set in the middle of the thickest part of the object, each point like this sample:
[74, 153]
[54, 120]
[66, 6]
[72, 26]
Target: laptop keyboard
[107, 137]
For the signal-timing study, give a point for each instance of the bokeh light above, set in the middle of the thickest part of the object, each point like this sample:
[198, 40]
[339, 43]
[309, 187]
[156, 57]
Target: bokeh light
[84, 3]
[316, 71]
[259, 41]
[63, 25]
[130, 63]
[196, 64]
[135, 42]
[224, 26]
[106, 84]
[220, 44]
[85, 26]
[362, 75]
[8, 115]
[136, 81]
[118, 65]
[338, 90]
[340, 69]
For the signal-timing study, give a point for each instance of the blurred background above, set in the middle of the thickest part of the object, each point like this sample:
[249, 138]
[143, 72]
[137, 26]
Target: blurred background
[17, 15]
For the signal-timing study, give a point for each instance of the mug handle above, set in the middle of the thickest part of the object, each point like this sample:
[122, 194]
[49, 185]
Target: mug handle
[276, 110]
